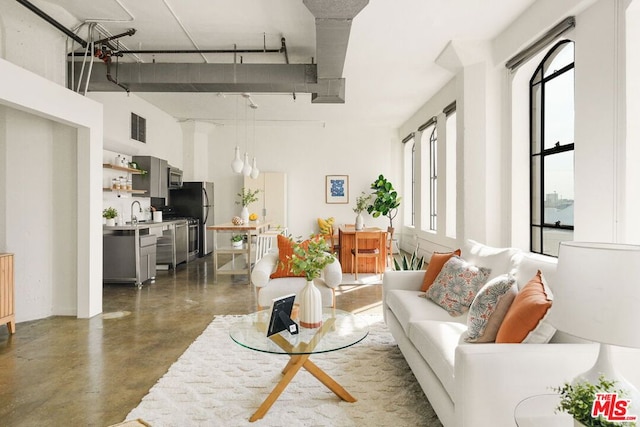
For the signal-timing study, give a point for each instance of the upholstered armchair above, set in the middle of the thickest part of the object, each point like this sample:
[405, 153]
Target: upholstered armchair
[269, 288]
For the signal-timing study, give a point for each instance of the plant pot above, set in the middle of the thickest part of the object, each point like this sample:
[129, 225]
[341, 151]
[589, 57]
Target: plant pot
[310, 306]
[244, 214]
[236, 245]
[110, 222]
[359, 222]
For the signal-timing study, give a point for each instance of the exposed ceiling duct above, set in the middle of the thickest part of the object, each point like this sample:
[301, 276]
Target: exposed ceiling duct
[323, 80]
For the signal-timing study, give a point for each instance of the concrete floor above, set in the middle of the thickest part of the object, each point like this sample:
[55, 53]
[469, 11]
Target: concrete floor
[64, 371]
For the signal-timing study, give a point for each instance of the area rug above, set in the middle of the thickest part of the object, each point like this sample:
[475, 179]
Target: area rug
[218, 383]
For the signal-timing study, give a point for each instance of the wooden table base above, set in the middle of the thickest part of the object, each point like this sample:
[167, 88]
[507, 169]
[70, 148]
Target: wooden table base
[296, 362]
[290, 371]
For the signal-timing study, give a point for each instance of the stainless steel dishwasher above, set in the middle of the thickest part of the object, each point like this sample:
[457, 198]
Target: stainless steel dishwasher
[182, 241]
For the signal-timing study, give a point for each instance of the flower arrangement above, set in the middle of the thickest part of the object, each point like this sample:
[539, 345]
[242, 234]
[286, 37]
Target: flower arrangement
[577, 400]
[310, 257]
[362, 201]
[247, 196]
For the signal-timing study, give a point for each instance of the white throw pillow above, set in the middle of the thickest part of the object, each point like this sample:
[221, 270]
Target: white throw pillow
[489, 308]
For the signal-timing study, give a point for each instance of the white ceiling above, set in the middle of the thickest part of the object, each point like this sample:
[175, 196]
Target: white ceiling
[389, 70]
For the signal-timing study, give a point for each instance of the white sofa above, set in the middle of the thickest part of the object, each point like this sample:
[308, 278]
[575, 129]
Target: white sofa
[268, 288]
[476, 385]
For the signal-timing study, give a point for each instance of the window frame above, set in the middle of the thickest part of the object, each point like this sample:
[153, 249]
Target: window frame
[538, 182]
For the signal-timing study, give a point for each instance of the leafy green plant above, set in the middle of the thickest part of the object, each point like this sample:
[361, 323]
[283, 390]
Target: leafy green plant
[237, 238]
[362, 201]
[247, 197]
[310, 257]
[110, 213]
[386, 200]
[577, 400]
[413, 263]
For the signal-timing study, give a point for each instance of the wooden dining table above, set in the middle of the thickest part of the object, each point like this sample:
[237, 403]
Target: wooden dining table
[347, 241]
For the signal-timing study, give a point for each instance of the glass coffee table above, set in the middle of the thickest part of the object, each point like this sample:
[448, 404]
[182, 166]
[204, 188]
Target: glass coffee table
[340, 329]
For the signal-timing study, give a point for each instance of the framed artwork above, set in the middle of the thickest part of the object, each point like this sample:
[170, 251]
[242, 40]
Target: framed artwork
[337, 189]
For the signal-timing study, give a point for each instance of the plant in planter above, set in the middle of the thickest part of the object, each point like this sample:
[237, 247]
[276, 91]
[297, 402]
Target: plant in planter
[247, 196]
[577, 400]
[110, 215]
[361, 205]
[413, 263]
[236, 240]
[309, 258]
[386, 200]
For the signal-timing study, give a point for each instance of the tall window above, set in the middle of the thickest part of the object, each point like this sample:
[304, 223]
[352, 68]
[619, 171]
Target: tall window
[552, 148]
[429, 180]
[410, 179]
[450, 141]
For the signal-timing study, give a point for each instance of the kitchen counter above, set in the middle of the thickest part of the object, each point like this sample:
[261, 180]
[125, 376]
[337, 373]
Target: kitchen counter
[140, 225]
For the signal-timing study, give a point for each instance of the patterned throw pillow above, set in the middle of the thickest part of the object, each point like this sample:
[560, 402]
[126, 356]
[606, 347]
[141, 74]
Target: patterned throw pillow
[457, 284]
[489, 308]
[434, 267]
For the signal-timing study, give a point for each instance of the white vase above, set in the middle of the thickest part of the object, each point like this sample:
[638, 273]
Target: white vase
[310, 306]
[244, 214]
[111, 222]
[236, 245]
[359, 222]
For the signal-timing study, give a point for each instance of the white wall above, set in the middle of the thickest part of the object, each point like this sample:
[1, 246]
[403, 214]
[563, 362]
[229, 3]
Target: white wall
[307, 154]
[51, 198]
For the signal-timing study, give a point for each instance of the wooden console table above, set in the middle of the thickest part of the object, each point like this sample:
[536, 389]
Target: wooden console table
[243, 265]
[7, 293]
[347, 240]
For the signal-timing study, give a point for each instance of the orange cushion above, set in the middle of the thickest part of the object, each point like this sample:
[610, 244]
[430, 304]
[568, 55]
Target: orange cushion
[526, 312]
[436, 263]
[285, 251]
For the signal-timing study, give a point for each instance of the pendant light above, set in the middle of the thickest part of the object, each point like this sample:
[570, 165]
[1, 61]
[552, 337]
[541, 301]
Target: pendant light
[236, 164]
[246, 170]
[255, 172]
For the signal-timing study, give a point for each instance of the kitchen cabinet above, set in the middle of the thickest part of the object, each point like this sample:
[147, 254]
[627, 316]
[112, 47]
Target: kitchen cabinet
[7, 290]
[155, 182]
[129, 256]
[272, 199]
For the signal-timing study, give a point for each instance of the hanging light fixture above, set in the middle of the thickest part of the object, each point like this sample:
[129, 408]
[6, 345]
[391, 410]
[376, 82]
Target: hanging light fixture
[246, 169]
[237, 164]
[255, 172]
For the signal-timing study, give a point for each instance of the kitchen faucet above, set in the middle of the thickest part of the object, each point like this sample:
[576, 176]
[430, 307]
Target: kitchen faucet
[134, 219]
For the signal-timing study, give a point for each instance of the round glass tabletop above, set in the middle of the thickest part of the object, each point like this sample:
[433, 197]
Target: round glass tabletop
[340, 329]
[540, 411]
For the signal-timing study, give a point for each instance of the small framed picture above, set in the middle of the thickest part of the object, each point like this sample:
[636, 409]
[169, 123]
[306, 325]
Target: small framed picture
[337, 189]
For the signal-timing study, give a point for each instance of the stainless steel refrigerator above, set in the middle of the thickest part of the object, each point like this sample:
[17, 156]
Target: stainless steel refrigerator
[195, 199]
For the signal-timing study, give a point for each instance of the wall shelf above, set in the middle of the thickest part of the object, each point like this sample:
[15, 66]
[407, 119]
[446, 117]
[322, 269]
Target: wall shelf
[122, 168]
[124, 191]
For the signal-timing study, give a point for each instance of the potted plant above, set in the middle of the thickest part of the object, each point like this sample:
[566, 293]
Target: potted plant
[309, 258]
[361, 205]
[386, 200]
[413, 263]
[247, 196]
[577, 400]
[110, 215]
[236, 240]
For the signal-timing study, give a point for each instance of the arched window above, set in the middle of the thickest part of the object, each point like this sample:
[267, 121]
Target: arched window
[552, 148]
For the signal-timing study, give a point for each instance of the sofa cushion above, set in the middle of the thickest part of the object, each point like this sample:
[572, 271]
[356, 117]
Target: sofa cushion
[436, 341]
[489, 308]
[499, 260]
[525, 320]
[285, 251]
[434, 267]
[457, 285]
[528, 265]
[412, 306]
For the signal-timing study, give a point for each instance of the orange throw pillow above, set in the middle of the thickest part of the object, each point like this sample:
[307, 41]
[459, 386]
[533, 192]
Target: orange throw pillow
[526, 312]
[437, 261]
[285, 250]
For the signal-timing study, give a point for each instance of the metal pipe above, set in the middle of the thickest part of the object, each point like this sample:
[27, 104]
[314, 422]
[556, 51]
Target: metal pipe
[184, 29]
[283, 49]
[52, 21]
[130, 51]
[129, 32]
[111, 79]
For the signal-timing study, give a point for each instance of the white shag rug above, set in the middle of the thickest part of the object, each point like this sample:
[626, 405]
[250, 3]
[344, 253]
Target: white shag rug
[218, 383]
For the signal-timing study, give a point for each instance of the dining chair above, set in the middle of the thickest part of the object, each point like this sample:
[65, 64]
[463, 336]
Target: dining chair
[368, 244]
